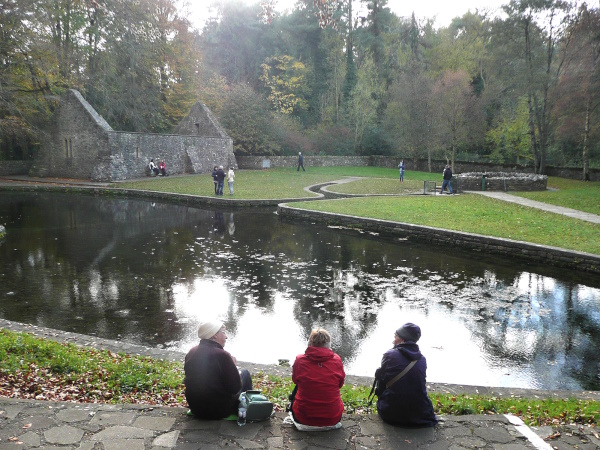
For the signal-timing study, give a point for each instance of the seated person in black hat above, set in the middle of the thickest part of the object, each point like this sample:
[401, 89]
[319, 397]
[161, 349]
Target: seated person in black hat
[213, 383]
[402, 393]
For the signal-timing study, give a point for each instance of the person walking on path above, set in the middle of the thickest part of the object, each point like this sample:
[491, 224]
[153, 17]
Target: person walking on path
[230, 178]
[401, 167]
[212, 381]
[402, 391]
[447, 177]
[300, 162]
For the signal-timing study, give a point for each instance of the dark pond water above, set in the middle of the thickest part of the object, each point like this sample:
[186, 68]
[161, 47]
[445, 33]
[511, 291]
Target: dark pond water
[147, 272]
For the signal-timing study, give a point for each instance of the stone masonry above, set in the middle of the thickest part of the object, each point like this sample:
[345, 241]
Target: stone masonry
[82, 145]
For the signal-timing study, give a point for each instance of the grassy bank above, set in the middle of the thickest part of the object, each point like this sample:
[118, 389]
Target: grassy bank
[473, 214]
[583, 196]
[41, 369]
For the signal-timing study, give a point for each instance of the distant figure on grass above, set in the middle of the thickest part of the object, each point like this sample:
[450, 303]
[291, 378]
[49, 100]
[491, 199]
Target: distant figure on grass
[447, 174]
[213, 383]
[319, 375]
[401, 167]
[214, 176]
[220, 180]
[402, 392]
[230, 178]
[300, 162]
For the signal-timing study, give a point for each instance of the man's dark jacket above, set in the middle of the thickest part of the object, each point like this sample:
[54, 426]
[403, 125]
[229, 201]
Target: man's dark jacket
[212, 381]
[220, 175]
[406, 402]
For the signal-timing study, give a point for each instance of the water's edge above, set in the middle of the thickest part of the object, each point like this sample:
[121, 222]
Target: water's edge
[273, 369]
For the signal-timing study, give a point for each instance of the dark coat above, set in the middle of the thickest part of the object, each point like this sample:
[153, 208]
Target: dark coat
[319, 375]
[220, 177]
[406, 402]
[212, 381]
[448, 173]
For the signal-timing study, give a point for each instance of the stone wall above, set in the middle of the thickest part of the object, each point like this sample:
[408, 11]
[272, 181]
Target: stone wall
[82, 145]
[584, 262]
[130, 153]
[258, 162]
[501, 181]
[15, 167]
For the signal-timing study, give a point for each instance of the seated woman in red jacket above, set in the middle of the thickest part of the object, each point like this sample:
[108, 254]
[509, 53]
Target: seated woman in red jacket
[319, 375]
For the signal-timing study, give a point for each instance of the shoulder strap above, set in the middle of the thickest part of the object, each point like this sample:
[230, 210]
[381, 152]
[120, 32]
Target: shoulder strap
[401, 374]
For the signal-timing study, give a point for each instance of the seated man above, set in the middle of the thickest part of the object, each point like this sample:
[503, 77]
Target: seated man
[212, 381]
[402, 393]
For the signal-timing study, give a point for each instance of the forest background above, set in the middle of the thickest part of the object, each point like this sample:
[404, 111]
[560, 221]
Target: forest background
[321, 79]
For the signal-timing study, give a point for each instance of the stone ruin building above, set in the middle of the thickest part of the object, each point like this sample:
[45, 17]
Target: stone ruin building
[82, 145]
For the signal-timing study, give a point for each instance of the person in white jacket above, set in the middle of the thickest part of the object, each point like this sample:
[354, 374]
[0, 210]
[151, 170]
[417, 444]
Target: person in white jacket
[230, 178]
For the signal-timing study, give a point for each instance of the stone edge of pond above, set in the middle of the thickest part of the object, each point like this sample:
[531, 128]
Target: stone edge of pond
[526, 251]
[283, 371]
[171, 197]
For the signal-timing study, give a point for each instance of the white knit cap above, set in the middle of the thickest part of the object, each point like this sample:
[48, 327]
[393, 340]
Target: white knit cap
[208, 329]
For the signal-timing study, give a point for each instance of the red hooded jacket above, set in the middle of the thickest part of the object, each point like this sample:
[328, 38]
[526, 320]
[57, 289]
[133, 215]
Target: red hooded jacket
[319, 374]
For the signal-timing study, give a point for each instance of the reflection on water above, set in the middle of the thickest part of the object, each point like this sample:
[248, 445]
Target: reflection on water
[148, 272]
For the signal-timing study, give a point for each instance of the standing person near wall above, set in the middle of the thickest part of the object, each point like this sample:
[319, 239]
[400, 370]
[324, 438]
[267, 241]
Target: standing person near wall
[401, 167]
[214, 176]
[220, 180]
[300, 162]
[230, 178]
[447, 177]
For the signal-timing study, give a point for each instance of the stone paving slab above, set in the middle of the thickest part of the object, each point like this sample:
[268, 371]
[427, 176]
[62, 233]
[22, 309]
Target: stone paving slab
[30, 424]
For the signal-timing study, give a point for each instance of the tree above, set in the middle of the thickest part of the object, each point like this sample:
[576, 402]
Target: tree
[285, 80]
[247, 119]
[508, 140]
[578, 107]
[537, 20]
[411, 113]
[458, 115]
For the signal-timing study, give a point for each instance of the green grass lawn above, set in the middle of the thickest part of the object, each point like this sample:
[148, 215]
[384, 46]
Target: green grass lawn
[583, 196]
[283, 183]
[474, 214]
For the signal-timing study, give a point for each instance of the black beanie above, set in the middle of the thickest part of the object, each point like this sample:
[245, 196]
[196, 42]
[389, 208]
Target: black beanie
[409, 332]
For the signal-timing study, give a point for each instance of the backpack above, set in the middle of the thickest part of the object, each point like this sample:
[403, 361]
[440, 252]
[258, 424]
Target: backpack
[259, 407]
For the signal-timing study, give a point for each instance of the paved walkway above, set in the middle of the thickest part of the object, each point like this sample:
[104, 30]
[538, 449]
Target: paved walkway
[26, 424]
[588, 217]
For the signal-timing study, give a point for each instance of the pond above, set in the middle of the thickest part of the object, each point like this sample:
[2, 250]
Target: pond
[147, 273]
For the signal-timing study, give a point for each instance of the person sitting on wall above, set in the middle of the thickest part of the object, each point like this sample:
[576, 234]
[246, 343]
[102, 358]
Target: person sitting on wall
[162, 168]
[401, 382]
[212, 381]
[153, 168]
[319, 375]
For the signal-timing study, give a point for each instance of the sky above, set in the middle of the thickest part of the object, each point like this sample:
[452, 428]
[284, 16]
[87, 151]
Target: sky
[443, 10]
